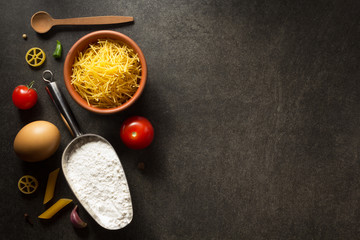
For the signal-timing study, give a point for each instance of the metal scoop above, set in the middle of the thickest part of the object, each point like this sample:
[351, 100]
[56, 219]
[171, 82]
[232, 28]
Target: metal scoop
[119, 218]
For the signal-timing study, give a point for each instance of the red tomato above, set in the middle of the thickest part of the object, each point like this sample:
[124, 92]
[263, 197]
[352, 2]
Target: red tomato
[24, 97]
[137, 132]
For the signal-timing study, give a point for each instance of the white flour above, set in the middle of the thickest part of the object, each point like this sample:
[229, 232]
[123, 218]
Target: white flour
[98, 180]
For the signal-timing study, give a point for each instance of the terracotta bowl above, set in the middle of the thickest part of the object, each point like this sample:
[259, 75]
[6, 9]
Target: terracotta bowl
[80, 46]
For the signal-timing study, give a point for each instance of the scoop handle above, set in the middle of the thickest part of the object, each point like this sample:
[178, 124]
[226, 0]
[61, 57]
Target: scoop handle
[63, 108]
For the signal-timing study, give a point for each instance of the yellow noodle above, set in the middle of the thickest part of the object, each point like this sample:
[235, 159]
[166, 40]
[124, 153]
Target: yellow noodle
[106, 74]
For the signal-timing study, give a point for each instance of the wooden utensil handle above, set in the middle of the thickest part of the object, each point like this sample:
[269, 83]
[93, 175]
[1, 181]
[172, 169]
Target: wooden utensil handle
[93, 20]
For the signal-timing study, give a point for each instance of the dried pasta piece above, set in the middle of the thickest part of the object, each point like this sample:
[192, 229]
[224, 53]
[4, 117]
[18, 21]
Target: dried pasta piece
[56, 207]
[50, 187]
[28, 184]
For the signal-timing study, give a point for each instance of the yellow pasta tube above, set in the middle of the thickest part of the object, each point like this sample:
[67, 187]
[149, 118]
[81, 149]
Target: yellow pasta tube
[51, 211]
[50, 187]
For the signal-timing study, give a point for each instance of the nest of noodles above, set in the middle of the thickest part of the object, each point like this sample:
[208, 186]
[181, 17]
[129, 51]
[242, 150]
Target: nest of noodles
[106, 74]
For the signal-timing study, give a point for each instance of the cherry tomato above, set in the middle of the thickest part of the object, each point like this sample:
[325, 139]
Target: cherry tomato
[24, 97]
[137, 132]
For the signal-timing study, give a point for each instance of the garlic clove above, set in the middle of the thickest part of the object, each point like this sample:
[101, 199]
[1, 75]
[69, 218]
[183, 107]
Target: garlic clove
[76, 220]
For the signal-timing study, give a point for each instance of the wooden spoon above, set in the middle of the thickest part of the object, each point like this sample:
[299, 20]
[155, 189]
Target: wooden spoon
[42, 22]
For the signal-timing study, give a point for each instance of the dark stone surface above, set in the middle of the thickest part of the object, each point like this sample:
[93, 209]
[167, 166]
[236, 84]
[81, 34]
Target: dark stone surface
[255, 105]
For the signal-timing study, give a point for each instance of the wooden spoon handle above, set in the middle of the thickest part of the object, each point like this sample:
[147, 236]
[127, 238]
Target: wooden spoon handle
[93, 20]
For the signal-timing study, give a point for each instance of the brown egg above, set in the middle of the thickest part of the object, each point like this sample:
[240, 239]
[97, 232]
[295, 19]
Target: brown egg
[37, 141]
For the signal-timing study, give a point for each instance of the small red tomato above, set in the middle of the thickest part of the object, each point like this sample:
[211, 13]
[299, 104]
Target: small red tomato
[24, 97]
[137, 132]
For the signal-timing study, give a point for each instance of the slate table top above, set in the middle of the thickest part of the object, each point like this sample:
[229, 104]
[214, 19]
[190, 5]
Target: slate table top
[255, 106]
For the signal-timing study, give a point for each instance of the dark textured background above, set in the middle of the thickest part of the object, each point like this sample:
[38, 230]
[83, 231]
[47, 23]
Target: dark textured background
[255, 105]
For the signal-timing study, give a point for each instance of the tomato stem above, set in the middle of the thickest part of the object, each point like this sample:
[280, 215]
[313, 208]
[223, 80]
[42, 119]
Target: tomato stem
[31, 85]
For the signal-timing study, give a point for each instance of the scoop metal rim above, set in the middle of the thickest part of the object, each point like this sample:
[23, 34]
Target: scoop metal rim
[65, 169]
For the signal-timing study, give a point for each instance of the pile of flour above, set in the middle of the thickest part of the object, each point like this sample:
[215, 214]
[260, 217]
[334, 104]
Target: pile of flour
[95, 175]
